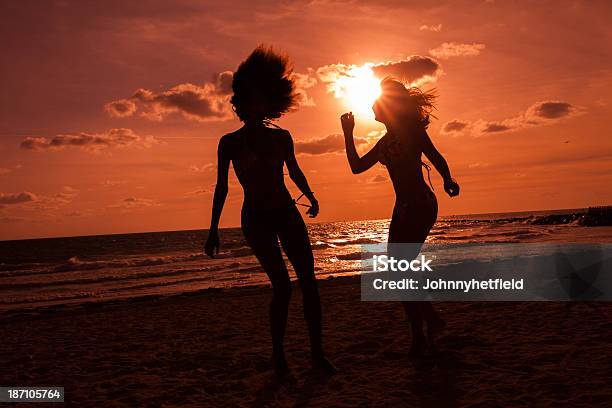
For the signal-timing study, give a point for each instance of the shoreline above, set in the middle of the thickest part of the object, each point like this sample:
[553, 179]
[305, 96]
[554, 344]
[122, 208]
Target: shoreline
[75, 307]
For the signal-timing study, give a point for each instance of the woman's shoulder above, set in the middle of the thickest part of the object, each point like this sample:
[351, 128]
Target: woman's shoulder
[229, 137]
[230, 142]
[278, 131]
[280, 136]
[383, 143]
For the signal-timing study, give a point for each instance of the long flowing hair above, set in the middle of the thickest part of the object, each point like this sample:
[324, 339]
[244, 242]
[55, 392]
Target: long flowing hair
[265, 78]
[410, 102]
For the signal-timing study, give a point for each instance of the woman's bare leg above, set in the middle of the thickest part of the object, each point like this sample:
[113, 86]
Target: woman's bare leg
[412, 226]
[294, 239]
[263, 241]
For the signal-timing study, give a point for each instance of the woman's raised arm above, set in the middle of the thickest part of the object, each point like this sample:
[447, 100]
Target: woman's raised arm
[358, 164]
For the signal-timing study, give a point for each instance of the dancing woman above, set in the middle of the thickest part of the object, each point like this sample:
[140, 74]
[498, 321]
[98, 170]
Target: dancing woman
[263, 91]
[405, 113]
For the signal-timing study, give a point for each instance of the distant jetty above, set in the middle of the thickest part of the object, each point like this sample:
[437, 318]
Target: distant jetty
[597, 216]
[591, 217]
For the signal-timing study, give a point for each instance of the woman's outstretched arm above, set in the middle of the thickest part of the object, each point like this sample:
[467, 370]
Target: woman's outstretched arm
[297, 175]
[358, 164]
[212, 243]
[435, 157]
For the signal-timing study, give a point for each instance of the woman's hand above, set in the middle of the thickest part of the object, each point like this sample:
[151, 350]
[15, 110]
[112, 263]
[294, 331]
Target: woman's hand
[211, 248]
[313, 211]
[451, 187]
[348, 123]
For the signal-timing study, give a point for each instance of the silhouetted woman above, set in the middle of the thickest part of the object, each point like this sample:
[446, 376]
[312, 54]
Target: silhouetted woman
[405, 113]
[263, 90]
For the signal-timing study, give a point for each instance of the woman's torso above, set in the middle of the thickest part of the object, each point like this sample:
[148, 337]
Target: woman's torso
[258, 156]
[402, 157]
[416, 207]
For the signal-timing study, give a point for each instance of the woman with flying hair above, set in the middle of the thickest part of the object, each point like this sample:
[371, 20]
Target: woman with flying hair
[405, 113]
[263, 91]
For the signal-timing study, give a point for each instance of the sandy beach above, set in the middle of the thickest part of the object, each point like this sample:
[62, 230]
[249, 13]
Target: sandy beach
[211, 349]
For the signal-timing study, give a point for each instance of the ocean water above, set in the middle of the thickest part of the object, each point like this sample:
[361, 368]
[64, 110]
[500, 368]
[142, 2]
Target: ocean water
[57, 271]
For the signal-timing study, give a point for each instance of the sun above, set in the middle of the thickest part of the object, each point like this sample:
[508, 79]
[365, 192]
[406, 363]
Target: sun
[359, 88]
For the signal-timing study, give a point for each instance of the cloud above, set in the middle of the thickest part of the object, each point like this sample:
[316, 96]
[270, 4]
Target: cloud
[200, 103]
[94, 142]
[17, 198]
[40, 203]
[206, 102]
[133, 203]
[328, 144]
[46, 203]
[435, 28]
[120, 108]
[379, 178]
[63, 198]
[201, 191]
[493, 127]
[414, 70]
[329, 74]
[200, 169]
[551, 110]
[209, 101]
[112, 183]
[539, 114]
[223, 82]
[302, 83]
[478, 165]
[454, 126]
[452, 49]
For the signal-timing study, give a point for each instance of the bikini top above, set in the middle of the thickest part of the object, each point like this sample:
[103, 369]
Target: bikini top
[391, 150]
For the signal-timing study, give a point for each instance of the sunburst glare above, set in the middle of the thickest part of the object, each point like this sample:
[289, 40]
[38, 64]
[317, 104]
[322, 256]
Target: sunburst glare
[359, 88]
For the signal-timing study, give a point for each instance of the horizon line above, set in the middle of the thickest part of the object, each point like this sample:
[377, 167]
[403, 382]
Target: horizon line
[320, 222]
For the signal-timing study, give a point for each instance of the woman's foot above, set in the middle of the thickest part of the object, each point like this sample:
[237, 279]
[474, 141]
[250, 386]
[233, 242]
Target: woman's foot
[323, 365]
[434, 328]
[280, 366]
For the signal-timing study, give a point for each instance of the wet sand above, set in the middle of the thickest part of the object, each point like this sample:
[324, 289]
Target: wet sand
[212, 349]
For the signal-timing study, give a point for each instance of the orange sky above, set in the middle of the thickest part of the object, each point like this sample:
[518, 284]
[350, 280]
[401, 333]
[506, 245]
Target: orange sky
[524, 109]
